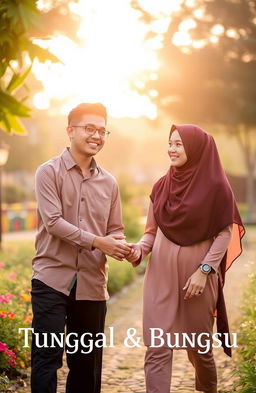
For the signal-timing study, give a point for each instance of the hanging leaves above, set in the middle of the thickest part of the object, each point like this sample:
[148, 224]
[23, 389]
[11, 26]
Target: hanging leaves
[17, 19]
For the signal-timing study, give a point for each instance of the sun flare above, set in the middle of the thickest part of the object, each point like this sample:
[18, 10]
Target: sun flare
[112, 55]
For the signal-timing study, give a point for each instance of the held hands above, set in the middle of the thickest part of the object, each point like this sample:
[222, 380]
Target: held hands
[135, 253]
[113, 246]
[195, 284]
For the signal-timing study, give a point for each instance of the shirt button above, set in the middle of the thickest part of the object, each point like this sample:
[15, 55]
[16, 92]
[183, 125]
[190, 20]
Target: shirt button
[80, 219]
[82, 199]
[79, 250]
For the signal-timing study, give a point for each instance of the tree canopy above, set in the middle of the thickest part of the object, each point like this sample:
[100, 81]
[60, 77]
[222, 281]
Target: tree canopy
[210, 77]
[20, 23]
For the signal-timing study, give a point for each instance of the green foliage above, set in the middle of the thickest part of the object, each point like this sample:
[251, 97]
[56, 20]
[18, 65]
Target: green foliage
[216, 72]
[120, 274]
[243, 208]
[246, 367]
[13, 193]
[4, 383]
[16, 46]
[132, 227]
[131, 213]
[220, 74]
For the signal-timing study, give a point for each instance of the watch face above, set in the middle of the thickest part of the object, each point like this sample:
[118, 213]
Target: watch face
[206, 268]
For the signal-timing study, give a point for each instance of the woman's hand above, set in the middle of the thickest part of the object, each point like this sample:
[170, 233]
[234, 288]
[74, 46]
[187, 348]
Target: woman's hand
[113, 245]
[195, 284]
[134, 254]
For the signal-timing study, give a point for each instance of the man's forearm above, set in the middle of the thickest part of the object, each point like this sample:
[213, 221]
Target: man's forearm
[70, 233]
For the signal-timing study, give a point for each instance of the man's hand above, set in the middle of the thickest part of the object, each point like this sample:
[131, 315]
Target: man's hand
[135, 253]
[195, 284]
[112, 245]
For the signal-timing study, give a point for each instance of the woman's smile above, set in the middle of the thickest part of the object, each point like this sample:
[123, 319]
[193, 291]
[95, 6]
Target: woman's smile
[176, 150]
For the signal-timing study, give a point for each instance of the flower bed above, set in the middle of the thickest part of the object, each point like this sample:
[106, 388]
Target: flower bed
[15, 304]
[15, 310]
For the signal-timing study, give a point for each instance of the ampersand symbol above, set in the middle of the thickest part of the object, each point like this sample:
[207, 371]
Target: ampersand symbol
[131, 332]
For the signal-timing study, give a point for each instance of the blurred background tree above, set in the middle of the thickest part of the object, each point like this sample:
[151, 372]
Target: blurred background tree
[209, 77]
[131, 212]
[20, 23]
[205, 76]
[13, 193]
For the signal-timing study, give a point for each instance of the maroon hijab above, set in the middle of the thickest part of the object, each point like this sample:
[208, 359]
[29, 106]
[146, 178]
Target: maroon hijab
[195, 202]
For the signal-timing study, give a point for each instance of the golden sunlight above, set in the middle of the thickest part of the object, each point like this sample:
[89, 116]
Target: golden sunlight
[112, 56]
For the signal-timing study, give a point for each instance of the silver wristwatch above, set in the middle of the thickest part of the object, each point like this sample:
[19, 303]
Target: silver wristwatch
[205, 268]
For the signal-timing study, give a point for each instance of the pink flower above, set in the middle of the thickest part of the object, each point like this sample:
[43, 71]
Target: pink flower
[3, 347]
[7, 314]
[11, 276]
[3, 299]
[11, 357]
[12, 362]
[10, 353]
[10, 296]
[6, 298]
[2, 264]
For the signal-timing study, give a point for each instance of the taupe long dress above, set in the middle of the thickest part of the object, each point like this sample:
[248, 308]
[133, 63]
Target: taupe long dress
[168, 269]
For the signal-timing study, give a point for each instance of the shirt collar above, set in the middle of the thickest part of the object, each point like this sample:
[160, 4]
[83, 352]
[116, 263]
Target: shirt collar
[70, 162]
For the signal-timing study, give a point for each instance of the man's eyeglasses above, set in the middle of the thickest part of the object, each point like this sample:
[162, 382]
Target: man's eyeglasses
[91, 129]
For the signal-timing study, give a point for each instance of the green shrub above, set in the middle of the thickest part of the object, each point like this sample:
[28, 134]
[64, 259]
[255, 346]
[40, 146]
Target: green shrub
[13, 193]
[131, 212]
[132, 226]
[246, 367]
[120, 274]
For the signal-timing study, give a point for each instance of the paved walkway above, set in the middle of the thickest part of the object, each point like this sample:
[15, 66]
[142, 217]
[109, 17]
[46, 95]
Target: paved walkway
[19, 235]
[123, 367]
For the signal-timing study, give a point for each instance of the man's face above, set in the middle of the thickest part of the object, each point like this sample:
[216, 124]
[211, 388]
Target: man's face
[81, 142]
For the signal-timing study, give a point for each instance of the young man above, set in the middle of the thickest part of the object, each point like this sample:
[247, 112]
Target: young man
[79, 219]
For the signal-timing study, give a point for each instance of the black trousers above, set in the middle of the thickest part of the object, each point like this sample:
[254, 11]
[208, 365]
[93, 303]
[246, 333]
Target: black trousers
[52, 311]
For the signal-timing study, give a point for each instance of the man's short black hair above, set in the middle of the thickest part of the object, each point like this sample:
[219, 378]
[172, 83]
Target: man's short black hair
[88, 108]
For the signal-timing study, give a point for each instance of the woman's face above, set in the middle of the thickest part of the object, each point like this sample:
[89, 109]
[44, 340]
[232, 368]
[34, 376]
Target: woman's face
[176, 150]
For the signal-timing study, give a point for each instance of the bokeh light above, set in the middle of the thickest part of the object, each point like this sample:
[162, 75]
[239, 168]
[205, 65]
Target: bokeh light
[112, 56]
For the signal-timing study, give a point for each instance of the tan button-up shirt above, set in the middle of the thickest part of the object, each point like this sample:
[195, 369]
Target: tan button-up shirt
[72, 210]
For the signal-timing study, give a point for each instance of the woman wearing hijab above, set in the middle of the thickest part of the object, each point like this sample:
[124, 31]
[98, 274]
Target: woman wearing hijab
[194, 233]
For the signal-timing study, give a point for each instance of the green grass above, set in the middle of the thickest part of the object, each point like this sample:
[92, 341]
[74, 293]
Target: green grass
[246, 363]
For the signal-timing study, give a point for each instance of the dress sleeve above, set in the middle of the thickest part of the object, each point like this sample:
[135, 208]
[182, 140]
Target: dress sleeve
[147, 240]
[218, 248]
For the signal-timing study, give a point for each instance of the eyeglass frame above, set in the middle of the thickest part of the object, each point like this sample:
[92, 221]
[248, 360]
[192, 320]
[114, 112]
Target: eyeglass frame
[95, 130]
